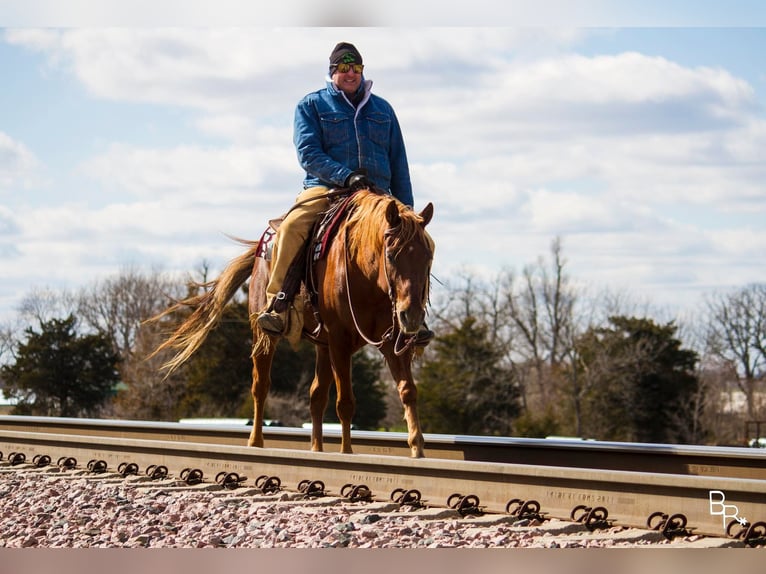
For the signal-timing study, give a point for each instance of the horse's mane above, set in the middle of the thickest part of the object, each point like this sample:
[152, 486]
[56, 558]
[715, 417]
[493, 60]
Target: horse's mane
[367, 224]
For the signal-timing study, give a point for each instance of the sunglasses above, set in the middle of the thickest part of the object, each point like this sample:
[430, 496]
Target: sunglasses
[343, 68]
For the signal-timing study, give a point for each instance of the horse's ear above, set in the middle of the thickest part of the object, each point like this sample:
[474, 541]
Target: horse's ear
[427, 213]
[392, 214]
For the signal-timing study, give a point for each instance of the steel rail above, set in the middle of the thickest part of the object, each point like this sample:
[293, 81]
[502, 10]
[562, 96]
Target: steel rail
[628, 498]
[729, 462]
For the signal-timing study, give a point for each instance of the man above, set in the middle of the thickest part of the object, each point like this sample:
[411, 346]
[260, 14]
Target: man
[345, 136]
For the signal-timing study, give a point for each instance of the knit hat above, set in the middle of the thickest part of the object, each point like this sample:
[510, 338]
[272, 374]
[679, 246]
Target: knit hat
[345, 53]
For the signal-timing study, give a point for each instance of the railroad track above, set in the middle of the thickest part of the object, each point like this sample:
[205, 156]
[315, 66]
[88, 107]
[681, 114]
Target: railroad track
[672, 489]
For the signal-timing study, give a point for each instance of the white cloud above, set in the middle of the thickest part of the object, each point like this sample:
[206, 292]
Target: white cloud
[9, 227]
[514, 137]
[18, 165]
[187, 173]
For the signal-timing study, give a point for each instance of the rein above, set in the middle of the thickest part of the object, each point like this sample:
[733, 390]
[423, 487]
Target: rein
[405, 342]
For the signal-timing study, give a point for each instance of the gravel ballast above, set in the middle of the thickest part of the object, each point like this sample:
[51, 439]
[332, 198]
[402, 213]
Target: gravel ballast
[45, 510]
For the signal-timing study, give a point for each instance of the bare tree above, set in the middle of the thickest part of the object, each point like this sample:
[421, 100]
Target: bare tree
[119, 306]
[539, 311]
[41, 305]
[7, 342]
[736, 337]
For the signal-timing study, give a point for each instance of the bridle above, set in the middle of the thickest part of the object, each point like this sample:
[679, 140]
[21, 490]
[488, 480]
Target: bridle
[402, 343]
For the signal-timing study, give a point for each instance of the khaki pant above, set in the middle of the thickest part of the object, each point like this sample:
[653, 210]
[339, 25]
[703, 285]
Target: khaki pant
[292, 234]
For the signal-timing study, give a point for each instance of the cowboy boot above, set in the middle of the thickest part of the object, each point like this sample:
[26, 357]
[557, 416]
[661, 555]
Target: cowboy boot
[273, 322]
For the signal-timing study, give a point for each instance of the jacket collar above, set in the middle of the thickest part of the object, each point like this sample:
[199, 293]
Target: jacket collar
[366, 86]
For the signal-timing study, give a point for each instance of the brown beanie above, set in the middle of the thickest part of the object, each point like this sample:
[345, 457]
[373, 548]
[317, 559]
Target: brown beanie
[345, 53]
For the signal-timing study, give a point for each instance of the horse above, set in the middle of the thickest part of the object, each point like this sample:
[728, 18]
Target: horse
[372, 287]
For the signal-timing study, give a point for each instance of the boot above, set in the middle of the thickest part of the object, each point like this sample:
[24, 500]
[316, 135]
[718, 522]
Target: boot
[272, 323]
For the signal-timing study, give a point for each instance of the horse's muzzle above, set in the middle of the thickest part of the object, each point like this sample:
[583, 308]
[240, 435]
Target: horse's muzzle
[410, 319]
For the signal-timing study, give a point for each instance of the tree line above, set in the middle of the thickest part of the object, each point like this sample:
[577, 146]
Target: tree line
[520, 354]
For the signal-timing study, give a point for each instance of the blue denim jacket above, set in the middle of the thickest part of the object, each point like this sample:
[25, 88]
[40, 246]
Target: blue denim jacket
[333, 139]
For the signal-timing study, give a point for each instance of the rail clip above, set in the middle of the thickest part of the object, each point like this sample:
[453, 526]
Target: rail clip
[592, 517]
[409, 497]
[157, 471]
[311, 488]
[671, 525]
[97, 466]
[268, 484]
[191, 476]
[464, 504]
[67, 463]
[17, 458]
[751, 534]
[524, 509]
[41, 460]
[356, 492]
[126, 469]
[230, 480]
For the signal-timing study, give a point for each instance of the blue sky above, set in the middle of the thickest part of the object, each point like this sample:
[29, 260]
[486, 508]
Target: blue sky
[641, 144]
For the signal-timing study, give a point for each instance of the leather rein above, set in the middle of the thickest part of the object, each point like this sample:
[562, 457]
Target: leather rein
[402, 343]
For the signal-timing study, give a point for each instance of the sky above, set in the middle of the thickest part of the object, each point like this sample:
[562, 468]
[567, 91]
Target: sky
[637, 137]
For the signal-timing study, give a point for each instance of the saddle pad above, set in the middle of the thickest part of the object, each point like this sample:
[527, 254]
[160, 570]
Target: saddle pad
[328, 226]
[266, 242]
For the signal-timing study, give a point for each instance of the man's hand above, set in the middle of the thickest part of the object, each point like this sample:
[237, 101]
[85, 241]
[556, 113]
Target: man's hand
[358, 180]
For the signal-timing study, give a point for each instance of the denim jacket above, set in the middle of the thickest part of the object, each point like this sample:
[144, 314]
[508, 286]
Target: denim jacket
[333, 139]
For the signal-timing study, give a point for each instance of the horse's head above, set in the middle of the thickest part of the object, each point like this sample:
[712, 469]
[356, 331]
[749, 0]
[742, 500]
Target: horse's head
[409, 251]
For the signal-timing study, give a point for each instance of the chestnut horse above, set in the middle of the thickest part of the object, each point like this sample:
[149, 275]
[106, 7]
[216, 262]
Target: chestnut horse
[372, 288]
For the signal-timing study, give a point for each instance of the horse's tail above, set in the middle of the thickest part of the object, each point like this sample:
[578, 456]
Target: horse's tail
[207, 308]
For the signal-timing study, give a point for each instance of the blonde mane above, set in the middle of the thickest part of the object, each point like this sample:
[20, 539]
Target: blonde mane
[367, 225]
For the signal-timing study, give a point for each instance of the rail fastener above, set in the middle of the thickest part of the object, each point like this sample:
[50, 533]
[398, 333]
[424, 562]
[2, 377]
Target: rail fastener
[356, 492]
[41, 460]
[311, 488]
[157, 471]
[97, 466]
[192, 476]
[670, 525]
[411, 497]
[268, 484]
[67, 463]
[126, 469]
[593, 517]
[524, 509]
[753, 534]
[229, 480]
[465, 504]
[17, 458]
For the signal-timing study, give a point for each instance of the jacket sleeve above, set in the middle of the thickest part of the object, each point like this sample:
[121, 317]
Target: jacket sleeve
[308, 145]
[401, 186]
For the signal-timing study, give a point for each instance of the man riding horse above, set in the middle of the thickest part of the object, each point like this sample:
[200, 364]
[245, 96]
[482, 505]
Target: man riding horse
[345, 137]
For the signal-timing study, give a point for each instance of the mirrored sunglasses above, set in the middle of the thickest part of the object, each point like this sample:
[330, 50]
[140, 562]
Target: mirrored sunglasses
[343, 68]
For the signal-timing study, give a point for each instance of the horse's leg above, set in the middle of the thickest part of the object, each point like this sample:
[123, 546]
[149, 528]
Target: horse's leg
[319, 394]
[401, 369]
[262, 358]
[345, 404]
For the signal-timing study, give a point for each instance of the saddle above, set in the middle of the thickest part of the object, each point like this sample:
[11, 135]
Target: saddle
[301, 272]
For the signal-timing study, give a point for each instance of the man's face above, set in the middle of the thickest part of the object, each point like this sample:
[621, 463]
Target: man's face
[347, 82]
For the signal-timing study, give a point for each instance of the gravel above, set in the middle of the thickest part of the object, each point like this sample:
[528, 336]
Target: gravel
[47, 510]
